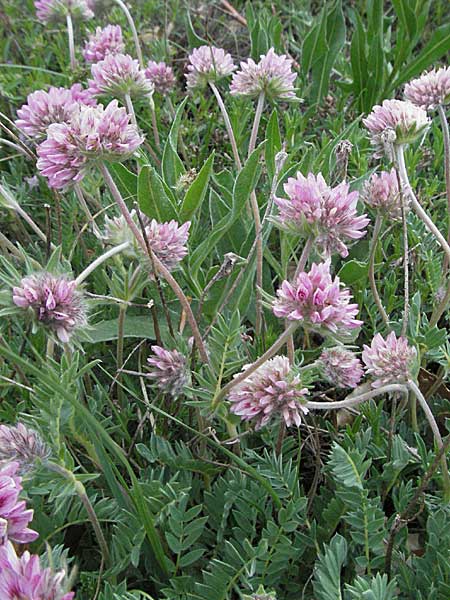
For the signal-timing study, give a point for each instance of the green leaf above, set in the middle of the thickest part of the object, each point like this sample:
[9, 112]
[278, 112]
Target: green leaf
[153, 196]
[172, 166]
[195, 41]
[358, 61]
[273, 143]
[191, 557]
[406, 16]
[327, 575]
[126, 181]
[197, 191]
[353, 271]
[135, 326]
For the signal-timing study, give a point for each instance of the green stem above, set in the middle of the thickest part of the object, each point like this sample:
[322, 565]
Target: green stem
[133, 31]
[373, 285]
[73, 61]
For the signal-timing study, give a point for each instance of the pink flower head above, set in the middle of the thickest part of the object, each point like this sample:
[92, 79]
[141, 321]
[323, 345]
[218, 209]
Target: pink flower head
[104, 41]
[271, 390]
[57, 105]
[55, 302]
[94, 134]
[272, 76]
[341, 367]
[23, 578]
[400, 121]
[161, 75]
[318, 301]
[208, 63]
[389, 360]
[329, 214]
[119, 75]
[382, 193]
[21, 444]
[14, 515]
[168, 241]
[430, 89]
[168, 370]
[53, 11]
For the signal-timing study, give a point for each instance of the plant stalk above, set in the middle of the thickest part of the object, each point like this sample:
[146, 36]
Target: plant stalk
[127, 13]
[100, 260]
[373, 285]
[73, 61]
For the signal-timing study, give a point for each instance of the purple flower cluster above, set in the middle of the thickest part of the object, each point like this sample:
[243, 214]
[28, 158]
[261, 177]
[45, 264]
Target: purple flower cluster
[168, 370]
[389, 360]
[119, 75]
[57, 105]
[318, 301]
[341, 367]
[208, 63]
[94, 134]
[430, 89]
[382, 193]
[23, 578]
[161, 76]
[14, 515]
[325, 213]
[55, 301]
[53, 11]
[21, 444]
[272, 390]
[272, 75]
[104, 41]
[168, 241]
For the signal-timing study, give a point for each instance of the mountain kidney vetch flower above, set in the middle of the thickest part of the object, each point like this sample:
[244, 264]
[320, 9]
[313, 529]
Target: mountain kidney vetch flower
[168, 370]
[430, 89]
[102, 42]
[341, 367]
[388, 360]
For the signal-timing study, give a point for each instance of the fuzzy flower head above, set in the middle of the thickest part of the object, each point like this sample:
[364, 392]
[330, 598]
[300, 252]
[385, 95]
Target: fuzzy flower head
[400, 121]
[104, 41]
[208, 63]
[57, 105]
[272, 390]
[14, 515]
[430, 90]
[23, 445]
[55, 302]
[382, 193]
[272, 75]
[341, 367]
[168, 370]
[168, 241]
[389, 360]
[119, 75]
[318, 301]
[23, 578]
[161, 76]
[94, 134]
[328, 214]
[117, 231]
[54, 11]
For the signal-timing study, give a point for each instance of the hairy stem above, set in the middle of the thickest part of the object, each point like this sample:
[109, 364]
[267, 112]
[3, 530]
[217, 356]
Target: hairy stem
[256, 122]
[446, 137]
[87, 212]
[228, 126]
[407, 189]
[130, 109]
[127, 13]
[437, 435]
[154, 124]
[373, 285]
[355, 400]
[158, 264]
[73, 61]
[100, 260]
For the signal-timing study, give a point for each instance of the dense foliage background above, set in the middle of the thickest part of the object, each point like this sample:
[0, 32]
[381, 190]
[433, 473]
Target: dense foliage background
[351, 504]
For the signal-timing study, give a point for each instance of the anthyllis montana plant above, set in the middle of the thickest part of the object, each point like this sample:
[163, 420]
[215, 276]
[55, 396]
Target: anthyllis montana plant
[225, 281]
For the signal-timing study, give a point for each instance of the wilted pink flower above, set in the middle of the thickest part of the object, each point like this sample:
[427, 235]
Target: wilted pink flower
[119, 75]
[208, 63]
[94, 134]
[52, 11]
[341, 367]
[168, 370]
[167, 241]
[273, 76]
[430, 89]
[325, 213]
[55, 301]
[271, 390]
[23, 578]
[117, 231]
[161, 75]
[57, 105]
[104, 41]
[389, 360]
[14, 515]
[402, 120]
[318, 301]
[21, 444]
[381, 192]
